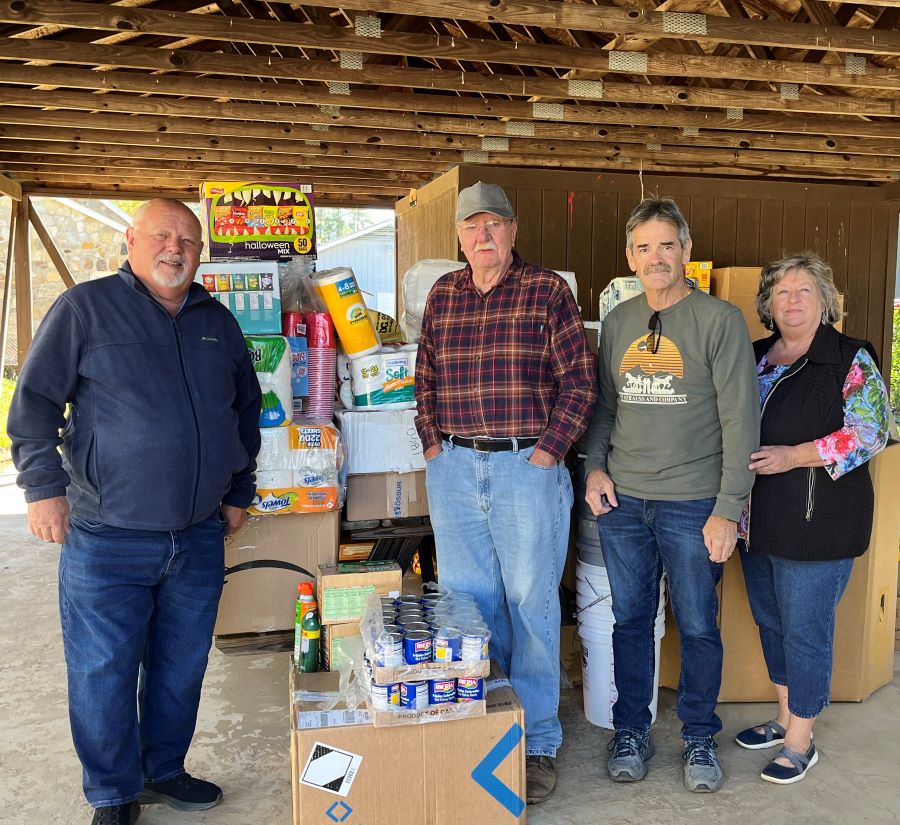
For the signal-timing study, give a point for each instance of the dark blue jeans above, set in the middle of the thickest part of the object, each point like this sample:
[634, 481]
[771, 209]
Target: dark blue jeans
[794, 604]
[639, 539]
[136, 606]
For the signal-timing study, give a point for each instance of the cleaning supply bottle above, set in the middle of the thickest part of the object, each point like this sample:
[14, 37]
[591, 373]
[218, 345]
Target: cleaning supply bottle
[307, 631]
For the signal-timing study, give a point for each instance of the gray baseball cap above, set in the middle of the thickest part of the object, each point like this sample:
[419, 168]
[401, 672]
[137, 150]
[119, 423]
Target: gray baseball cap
[483, 197]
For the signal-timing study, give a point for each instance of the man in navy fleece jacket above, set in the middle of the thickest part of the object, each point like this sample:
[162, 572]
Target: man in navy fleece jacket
[146, 384]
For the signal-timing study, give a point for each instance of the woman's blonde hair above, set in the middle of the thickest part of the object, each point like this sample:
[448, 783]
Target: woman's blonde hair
[816, 268]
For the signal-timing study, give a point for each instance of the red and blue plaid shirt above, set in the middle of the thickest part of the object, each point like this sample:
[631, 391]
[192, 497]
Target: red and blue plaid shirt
[510, 363]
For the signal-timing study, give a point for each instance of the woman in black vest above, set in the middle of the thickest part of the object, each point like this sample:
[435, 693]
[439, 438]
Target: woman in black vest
[825, 413]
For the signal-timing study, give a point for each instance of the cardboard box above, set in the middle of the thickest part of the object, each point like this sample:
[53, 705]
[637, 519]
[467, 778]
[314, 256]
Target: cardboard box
[864, 629]
[441, 774]
[386, 495]
[355, 550]
[739, 285]
[251, 291]
[383, 441]
[897, 622]
[339, 644]
[247, 220]
[265, 561]
[699, 272]
[343, 588]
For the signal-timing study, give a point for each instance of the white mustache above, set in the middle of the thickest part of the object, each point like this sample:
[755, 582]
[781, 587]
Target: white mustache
[486, 247]
[174, 260]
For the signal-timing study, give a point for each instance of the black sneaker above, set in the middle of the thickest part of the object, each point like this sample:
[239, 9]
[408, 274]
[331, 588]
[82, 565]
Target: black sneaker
[117, 814]
[629, 753]
[183, 793]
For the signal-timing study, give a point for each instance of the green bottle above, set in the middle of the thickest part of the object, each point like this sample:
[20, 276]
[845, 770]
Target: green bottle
[307, 630]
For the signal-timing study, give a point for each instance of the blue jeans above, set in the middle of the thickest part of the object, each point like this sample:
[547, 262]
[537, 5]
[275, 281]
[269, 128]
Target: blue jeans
[640, 538]
[501, 528]
[794, 603]
[136, 602]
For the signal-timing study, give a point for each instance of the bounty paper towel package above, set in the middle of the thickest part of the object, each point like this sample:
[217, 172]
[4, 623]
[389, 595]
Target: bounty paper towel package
[298, 469]
[271, 357]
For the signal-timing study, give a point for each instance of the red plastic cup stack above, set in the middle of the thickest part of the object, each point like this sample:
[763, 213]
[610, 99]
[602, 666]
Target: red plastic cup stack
[322, 355]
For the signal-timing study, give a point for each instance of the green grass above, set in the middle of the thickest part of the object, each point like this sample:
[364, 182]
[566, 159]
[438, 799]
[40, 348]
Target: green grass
[5, 397]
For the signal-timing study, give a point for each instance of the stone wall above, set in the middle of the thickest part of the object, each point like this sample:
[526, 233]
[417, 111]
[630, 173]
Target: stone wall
[89, 247]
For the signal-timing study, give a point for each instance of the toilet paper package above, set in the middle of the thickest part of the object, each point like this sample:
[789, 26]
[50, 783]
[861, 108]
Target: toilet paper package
[271, 357]
[300, 469]
[384, 380]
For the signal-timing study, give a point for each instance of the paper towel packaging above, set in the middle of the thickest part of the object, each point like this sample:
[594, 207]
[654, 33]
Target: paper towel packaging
[271, 357]
[298, 469]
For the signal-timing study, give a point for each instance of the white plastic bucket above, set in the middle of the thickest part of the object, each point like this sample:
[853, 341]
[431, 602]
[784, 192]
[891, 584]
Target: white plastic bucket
[598, 675]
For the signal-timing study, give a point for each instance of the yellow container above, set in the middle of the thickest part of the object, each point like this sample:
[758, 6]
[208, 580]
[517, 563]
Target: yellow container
[341, 295]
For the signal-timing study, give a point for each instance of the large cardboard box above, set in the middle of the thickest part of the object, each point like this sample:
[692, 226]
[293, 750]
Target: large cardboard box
[738, 285]
[265, 561]
[864, 632]
[383, 441]
[386, 495]
[437, 774]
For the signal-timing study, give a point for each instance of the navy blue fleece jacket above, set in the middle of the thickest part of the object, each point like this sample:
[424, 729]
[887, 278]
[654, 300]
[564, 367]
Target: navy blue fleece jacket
[163, 420]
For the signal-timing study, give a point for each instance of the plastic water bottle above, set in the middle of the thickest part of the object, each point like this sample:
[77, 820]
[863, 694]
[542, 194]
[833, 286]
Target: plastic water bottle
[307, 630]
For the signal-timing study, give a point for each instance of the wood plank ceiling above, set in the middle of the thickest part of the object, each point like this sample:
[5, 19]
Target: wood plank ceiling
[368, 99]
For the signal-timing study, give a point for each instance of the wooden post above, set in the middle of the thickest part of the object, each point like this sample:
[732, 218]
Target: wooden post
[24, 322]
[7, 289]
[51, 247]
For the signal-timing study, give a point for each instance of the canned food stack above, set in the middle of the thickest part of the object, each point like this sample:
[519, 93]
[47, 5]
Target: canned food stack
[428, 657]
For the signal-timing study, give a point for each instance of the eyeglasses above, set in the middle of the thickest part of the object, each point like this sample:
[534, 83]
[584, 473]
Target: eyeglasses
[655, 327]
[472, 229]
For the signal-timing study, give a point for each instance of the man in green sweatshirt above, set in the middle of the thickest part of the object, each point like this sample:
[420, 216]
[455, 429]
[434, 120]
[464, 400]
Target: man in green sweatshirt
[668, 451]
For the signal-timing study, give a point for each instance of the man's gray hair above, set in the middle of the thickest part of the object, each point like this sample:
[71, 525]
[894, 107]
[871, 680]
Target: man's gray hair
[812, 265]
[141, 212]
[657, 209]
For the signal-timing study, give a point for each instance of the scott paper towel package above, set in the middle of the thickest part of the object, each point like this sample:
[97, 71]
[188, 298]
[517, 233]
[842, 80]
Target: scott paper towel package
[385, 441]
[298, 469]
[271, 357]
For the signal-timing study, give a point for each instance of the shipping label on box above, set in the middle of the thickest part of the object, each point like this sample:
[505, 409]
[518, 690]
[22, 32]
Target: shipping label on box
[258, 219]
[385, 441]
[344, 587]
[386, 495]
[264, 562]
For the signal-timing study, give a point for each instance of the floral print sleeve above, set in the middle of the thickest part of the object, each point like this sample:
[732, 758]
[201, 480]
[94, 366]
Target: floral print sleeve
[866, 420]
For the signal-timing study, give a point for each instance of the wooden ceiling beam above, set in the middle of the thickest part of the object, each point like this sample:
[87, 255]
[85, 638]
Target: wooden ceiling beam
[19, 147]
[635, 22]
[658, 64]
[400, 102]
[284, 116]
[536, 12]
[72, 122]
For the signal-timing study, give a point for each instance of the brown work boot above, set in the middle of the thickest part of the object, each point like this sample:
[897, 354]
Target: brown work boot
[540, 778]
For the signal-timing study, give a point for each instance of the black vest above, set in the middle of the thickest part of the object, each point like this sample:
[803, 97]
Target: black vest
[803, 514]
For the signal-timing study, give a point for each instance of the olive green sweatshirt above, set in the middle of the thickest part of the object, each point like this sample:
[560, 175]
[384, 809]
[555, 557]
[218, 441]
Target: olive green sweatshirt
[679, 424]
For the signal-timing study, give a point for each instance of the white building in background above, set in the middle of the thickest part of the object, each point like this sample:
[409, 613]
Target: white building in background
[370, 254]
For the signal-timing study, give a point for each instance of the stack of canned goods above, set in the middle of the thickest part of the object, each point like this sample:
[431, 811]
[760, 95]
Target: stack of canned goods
[431, 628]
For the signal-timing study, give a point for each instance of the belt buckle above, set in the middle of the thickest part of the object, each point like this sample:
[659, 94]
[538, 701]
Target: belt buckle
[476, 441]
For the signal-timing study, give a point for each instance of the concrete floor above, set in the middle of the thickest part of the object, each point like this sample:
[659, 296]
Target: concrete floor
[242, 740]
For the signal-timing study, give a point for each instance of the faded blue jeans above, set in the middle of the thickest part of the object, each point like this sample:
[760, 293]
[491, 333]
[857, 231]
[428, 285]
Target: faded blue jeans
[501, 528]
[640, 538]
[794, 604]
[136, 603]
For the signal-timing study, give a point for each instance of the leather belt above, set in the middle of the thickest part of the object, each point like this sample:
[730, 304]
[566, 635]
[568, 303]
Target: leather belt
[491, 445]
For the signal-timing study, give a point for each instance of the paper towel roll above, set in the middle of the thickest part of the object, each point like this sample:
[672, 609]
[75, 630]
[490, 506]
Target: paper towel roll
[271, 356]
[274, 479]
[274, 449]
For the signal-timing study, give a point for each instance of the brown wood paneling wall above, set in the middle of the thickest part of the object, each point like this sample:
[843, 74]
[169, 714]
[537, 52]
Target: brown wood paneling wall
[576, 221]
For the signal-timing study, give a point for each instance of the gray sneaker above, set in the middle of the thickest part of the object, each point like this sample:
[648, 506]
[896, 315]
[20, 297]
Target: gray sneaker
[629, 753]
[702, 770]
